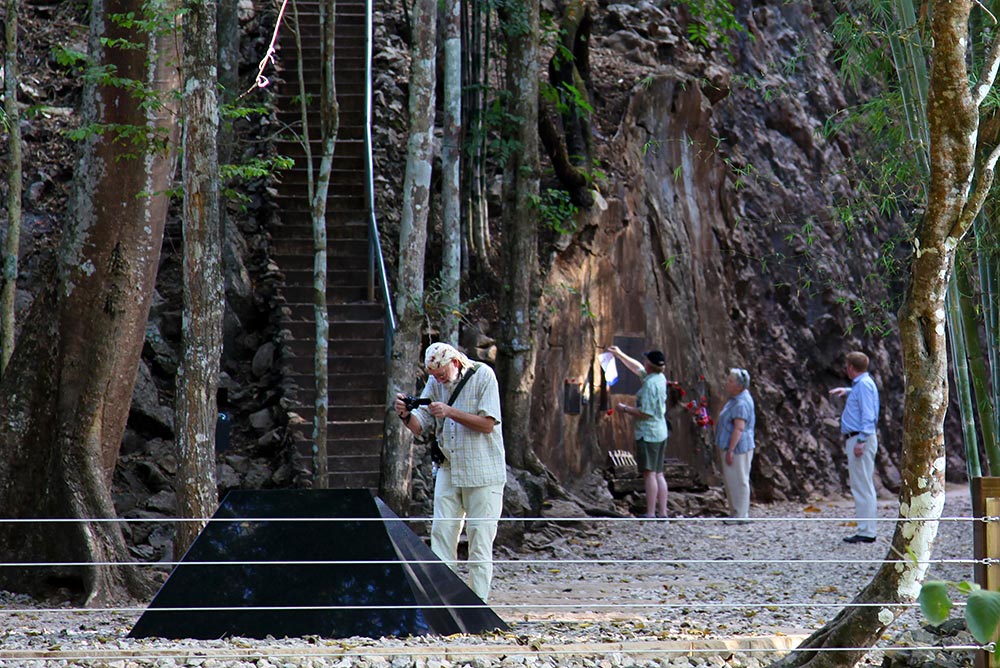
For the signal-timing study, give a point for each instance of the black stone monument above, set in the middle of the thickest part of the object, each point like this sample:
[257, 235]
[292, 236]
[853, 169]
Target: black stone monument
[277, 571]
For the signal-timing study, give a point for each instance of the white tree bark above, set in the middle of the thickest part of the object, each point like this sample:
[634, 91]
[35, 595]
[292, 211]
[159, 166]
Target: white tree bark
[330, 127]
[196, 409]
[397, 458]
[451, 152]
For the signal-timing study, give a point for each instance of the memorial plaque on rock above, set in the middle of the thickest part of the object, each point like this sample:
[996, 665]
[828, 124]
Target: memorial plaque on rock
[331, 563]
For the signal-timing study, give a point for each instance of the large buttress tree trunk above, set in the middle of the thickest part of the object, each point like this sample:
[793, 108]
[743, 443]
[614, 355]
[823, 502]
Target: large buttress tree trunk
[520, 223]
[961, 171]
[65, 398]
[196, 409]
[397, 456]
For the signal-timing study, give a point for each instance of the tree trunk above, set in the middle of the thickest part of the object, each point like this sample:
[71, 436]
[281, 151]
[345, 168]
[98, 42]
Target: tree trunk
[65, 399]
[196, 408]
[956, 190]
[476, 241]
[572, 149]
[12, 243]
[520, 224]
[330, 127]
[397, 455]
[228, 44]
[227, 32]
[451, 151]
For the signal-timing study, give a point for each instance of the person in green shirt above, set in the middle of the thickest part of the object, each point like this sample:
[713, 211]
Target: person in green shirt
[649, 416]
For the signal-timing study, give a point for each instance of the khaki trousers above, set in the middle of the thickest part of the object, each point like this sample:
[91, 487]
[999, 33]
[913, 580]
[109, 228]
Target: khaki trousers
[452, 505]
[737, 481]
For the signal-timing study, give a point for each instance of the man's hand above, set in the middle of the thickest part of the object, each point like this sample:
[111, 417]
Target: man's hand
[406, 415]
[729, 457]
[614, 350]
[859, 448]
[399, 406]
[839, 391]
[439, 409]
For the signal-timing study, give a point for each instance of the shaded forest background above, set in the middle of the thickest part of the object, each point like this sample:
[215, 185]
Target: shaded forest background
[732, 228]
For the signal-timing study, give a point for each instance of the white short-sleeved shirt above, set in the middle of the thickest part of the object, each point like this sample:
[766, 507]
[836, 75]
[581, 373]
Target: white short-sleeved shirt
[476, 459]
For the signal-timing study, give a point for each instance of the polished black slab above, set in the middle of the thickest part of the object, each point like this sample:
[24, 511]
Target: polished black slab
[260, 585]
[449, 605]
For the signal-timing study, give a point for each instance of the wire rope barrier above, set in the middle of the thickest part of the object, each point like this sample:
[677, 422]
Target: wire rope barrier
[659, 605]
[666, 607]
[496, 562]
[578, 520]
[466, 651]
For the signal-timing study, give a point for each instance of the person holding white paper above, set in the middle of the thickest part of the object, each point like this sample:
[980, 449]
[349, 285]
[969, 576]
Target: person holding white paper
[649, 417]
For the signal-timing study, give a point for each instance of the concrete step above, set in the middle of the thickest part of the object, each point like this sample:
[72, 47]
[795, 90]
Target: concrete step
[343, 413]
[345, 331]
[347, 412]
[339, 163]
[335, 294]
[299, 262]
[341, 270]
[300, 360]
[343, 147]
[358, 313]
[340, 396]
[341, 381]
[359, 347]
[367, 479]
[354, 431]
[348, 465]
[340, 226]
[337, 258]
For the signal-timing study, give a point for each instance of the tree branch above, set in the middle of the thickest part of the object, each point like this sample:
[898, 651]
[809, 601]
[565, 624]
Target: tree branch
[980, 191]
[989, 73]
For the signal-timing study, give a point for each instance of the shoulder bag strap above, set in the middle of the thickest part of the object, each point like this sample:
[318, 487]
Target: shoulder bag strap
[461, 384]
[458, 388]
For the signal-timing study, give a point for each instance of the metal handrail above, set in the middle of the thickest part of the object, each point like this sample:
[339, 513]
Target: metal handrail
[376, 263]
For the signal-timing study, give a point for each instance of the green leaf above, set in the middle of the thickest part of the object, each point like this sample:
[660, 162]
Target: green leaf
[934, 601]
[982, 614]
[967, 587]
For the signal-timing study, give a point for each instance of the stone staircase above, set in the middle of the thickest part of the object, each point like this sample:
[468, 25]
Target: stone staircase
[357, 335]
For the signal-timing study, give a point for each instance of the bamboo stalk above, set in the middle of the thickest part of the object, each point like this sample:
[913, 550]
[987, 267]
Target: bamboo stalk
[977, 365]
[956, 341]
[989, 294]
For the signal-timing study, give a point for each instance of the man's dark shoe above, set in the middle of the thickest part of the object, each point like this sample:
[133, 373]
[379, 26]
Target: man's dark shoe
[859, 539]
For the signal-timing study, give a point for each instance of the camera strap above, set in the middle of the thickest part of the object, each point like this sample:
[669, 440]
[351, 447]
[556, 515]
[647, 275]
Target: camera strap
[451, 400]
[461, 383]
[458, 388]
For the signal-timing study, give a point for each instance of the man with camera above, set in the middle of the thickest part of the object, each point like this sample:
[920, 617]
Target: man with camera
[461, 411]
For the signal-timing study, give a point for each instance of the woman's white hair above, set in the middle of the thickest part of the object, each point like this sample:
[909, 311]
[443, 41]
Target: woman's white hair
[741, 376]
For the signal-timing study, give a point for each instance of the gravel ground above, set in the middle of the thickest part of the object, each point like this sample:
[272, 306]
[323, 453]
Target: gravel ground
[599, 593]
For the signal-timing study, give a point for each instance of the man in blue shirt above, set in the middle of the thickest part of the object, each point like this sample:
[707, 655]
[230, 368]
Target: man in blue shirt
[857, 425]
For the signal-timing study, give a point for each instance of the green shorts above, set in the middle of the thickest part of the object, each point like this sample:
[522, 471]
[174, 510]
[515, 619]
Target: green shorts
[649, 456]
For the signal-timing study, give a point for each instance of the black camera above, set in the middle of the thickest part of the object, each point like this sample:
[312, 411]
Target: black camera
[411, 403]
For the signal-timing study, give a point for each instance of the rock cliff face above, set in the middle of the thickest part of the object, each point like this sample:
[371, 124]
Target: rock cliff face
[722, 242]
